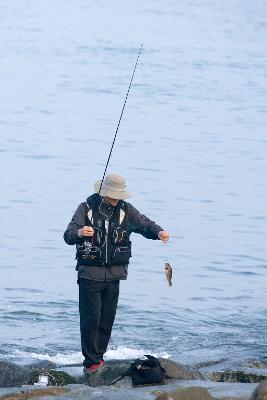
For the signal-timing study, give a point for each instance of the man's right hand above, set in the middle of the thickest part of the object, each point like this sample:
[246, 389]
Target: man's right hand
[86, 231]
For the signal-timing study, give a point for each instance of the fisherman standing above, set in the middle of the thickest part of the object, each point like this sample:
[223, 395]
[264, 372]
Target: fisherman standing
[100, 229]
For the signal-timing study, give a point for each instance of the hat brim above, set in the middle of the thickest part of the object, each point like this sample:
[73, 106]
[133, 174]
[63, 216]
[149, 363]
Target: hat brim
[113, 194]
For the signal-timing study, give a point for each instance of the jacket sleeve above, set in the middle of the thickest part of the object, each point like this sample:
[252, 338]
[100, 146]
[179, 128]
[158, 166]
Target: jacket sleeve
[139, 223]
[78, 221]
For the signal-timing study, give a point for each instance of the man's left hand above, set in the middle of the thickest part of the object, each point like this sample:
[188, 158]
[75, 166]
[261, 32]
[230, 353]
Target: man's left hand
[164, 236]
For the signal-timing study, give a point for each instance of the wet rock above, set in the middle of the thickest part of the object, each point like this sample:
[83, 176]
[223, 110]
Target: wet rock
[257, 364]
[236, 376]
[260, 393]
[55, 378]
[12, 375]
[107, 374]
[45, 364]
[192, 393]
[175, 370]
[33, 394]
[209, 363]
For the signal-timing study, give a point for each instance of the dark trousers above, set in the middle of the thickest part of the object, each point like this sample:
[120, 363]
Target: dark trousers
[97, 305]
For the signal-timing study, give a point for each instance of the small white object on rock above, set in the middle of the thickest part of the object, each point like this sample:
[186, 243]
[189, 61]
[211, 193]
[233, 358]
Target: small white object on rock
[43, 381]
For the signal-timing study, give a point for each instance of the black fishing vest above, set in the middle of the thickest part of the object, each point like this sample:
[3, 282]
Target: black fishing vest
[110, 244]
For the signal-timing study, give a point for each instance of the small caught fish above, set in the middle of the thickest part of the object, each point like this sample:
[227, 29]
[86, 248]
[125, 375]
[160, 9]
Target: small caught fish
[168, 272]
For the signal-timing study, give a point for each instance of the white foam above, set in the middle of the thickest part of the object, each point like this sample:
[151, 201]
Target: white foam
[117, 353]
[125, 353]
[59, 358]
[122, 352]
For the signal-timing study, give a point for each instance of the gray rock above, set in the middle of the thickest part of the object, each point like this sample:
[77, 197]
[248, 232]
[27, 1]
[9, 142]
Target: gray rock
[107, 374]
[232, 398]
[260, 393]
[257, 364]
[164, 396]
[209, 363]
[175, 370]
[46, 364]
[236, 376]
[28, 394]
[12, 375]
[192, 393]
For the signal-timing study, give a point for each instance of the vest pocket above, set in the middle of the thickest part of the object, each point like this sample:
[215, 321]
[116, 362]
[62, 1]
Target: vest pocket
[119, 236]
[121, 255]
[89, 256]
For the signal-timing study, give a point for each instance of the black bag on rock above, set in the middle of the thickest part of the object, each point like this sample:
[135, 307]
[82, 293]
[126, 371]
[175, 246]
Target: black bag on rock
[145, 372]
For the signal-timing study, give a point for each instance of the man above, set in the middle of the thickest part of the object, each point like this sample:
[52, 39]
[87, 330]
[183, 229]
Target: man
[101, 229]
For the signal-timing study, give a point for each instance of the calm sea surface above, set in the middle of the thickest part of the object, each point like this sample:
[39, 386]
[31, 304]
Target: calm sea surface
[192, 146]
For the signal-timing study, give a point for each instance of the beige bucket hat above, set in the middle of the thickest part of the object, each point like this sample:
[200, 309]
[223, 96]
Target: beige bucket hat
[113, 186]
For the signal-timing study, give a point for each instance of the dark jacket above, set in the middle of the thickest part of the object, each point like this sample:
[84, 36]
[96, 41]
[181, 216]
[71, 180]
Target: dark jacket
[111, 244]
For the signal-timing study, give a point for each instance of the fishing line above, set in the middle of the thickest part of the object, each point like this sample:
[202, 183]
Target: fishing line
[125, 101]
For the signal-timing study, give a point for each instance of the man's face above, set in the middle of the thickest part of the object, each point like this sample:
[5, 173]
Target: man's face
[111, 201]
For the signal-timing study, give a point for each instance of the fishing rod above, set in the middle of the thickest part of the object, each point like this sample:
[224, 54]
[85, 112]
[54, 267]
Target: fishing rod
[117, 129]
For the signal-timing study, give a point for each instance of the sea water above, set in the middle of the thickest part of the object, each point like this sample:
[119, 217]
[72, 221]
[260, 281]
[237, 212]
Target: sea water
[192, 146]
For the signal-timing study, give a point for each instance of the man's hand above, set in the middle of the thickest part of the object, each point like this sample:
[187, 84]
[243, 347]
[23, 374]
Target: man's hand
[164, 236]
[85, 231]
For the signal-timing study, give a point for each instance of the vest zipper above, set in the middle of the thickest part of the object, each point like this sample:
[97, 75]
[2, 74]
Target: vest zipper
[106, 229]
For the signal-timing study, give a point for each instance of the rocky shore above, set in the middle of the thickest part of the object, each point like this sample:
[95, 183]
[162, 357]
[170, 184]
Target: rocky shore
[205, 381]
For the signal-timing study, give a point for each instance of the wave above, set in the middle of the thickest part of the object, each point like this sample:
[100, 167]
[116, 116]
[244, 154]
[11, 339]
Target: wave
[116, 353]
